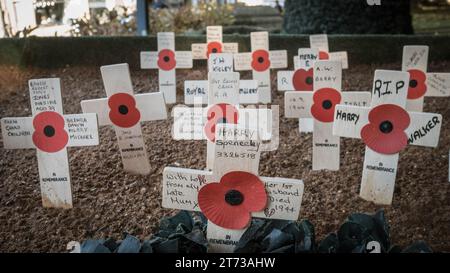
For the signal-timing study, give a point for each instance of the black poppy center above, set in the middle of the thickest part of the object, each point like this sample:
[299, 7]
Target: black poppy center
[412, 83]
[260, 60]
[386, 127]
[49, 131]
[222, 120]
[214, 50]
[327, 104]
[309, 80]
[234, 197]
[123, 109]
[166, 59]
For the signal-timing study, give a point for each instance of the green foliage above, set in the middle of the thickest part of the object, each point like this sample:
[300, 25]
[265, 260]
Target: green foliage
[190, 19]
[117, 22]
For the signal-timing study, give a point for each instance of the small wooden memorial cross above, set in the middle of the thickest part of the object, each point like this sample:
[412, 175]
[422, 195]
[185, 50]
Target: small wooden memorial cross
[319, 105]
[260, 61]
[213, 44]
[302, 79]
[386, 128]
[421, 83]
[199, 123]
[196, 91]
[50, 132]
[232, 193]
[166, 60]
[320, 41]
[125, 112]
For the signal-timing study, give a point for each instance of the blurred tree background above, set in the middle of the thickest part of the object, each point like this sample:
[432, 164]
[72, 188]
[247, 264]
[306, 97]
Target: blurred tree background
[347, 17]
[119, 18]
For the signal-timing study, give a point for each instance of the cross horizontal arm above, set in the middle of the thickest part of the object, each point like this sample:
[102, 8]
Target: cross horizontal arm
[183, 59]
[230, 48]
[278, 59]
[17, 133]
[349, 120]
[298, 104]
[438, 85]
[242, 61]
[424, 129]
[189, 123]
[99, 107]
[285, 198]
[181, 186]
[199, 51]
[340, 56]
[149, 60]
[151, 106]
[284, 81]
[82, 129]
[356, 98]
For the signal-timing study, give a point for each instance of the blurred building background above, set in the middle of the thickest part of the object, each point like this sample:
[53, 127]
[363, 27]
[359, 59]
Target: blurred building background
[20, 18]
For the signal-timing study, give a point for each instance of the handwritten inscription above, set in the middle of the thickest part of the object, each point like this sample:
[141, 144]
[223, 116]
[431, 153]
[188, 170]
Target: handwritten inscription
[383, 88]
[424, 130]
[14, 128]
[43, 95]
[180, 190]
[345, 116]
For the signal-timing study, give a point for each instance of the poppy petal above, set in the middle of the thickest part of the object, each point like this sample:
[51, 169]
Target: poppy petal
[49, 135]
[213, 47]
[323, 55]
[251, 187]
[302, 80]
[166, 59]
[385, 132]
[123, 111]
[260, 60]
[391, 143]
[417, 84]
[211, 200]
[325, 100]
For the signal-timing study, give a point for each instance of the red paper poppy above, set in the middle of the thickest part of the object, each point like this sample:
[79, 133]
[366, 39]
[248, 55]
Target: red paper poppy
[219, 113]
[49, 133]
[324, 102]
[417, 84]
[260, 60]
[166, 59]
[213, 47]
[385, 132]
[303, 80]
[323, 55]
[123, 111]
[230, 202]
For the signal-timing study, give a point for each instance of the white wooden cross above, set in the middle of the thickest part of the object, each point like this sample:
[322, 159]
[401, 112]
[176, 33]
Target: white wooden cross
[237, 154]
[319, 105]
[213, 44]
[421, 83]
[260, 61]
[198, 123]
[386, 128]
[301, 79]
[196, 91]
[166, 60]
[50, 132]
[320, 41]
[125, 112]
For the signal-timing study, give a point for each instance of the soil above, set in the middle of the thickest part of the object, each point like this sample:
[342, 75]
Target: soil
[108, 201]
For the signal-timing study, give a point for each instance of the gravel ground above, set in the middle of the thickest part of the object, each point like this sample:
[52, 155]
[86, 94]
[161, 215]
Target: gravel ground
[108, 201]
